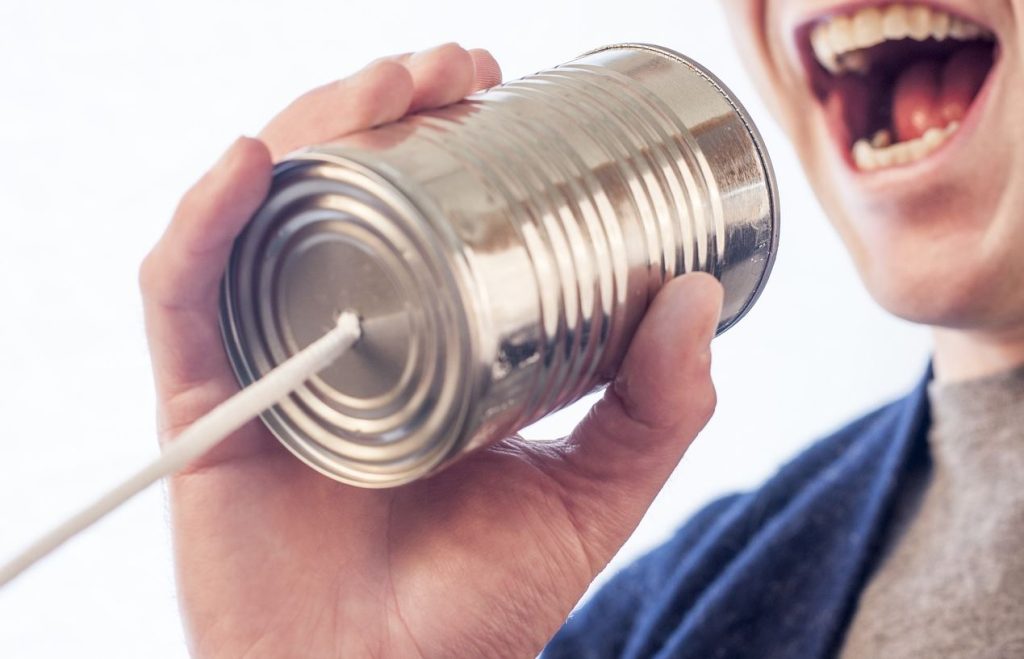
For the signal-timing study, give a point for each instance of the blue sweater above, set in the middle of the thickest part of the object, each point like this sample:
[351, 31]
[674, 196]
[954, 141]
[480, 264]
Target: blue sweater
[774, 573]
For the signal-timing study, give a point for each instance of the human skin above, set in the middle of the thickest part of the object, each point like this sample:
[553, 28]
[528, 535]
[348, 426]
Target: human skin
[485, 559]
[938, 242]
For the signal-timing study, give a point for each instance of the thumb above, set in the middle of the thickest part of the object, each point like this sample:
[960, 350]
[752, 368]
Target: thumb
[618, 458]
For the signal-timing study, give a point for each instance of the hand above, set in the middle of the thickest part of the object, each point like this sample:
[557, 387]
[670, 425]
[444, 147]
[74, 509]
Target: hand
[485, 559]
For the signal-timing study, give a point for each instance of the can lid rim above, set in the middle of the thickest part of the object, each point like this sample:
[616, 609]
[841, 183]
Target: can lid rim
[759, 144]
[316, 455]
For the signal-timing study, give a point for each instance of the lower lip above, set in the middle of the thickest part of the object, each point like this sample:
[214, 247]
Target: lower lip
[901, 175]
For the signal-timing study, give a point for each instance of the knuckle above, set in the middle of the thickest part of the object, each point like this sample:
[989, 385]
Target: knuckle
[454, 52]
[149, 273]
[380, 72]
[357, 106]
[445, 68]
[705, 402]
[383, 71]
[377, 88]
[701, 363]
[443, 52]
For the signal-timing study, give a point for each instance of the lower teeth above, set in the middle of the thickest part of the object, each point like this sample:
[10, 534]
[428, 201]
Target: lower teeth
[879, 153]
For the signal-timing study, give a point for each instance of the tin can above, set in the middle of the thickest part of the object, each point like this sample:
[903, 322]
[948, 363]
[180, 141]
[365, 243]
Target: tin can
[500, 253]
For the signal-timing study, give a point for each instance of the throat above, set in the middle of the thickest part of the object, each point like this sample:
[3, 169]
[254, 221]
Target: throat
[962, 356]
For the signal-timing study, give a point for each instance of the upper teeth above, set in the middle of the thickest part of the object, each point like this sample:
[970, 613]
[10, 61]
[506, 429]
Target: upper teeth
[835, 39]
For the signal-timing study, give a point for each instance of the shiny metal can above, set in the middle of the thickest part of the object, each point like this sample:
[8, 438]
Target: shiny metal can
[500, 253]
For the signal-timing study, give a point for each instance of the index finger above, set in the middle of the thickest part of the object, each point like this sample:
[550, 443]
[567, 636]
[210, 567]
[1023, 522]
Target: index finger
[385, 90]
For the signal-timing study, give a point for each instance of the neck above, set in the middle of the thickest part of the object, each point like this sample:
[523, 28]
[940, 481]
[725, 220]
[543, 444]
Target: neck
[965, 355]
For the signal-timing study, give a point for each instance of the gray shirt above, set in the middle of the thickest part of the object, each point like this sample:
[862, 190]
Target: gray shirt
[950, 581]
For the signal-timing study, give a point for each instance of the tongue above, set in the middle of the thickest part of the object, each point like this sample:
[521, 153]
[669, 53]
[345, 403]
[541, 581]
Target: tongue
[931, 95]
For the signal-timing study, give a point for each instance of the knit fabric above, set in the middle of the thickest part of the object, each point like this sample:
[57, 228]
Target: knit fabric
[951, 582]
[773, 573]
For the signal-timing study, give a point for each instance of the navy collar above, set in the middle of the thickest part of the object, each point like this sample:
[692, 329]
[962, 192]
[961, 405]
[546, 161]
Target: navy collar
[793, 557]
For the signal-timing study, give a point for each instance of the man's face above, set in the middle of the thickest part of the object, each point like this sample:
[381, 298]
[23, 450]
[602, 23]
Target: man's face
[909, 119]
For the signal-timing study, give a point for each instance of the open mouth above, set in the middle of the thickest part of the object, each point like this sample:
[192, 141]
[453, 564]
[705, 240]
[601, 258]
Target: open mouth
[897, 80]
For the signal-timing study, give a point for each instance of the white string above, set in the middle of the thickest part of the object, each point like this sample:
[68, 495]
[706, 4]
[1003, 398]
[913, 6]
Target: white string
[200, 437]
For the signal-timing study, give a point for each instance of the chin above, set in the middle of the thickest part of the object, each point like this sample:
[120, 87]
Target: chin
[954, 294]
[942, 266]
[937, 256]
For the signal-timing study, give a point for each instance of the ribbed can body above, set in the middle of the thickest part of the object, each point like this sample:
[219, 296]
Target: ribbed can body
[500, 252]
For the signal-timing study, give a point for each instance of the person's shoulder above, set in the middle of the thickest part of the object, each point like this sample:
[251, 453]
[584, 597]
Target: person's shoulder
[829, 449]
[730, 521]
[675, 575]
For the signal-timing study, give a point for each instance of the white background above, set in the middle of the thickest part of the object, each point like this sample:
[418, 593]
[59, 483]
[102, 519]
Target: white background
[109, 110]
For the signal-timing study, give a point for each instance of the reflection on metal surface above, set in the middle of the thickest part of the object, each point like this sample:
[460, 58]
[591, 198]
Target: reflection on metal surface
[500, 252]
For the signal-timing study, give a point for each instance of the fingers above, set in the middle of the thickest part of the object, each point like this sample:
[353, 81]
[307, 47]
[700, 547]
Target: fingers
[488, 73]
[664, 384]
[184, 269]
[663, 394]
[379, 93]
[441, 76]
[446, 74]
[385, 90]
[619, 457]
[180, 277]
